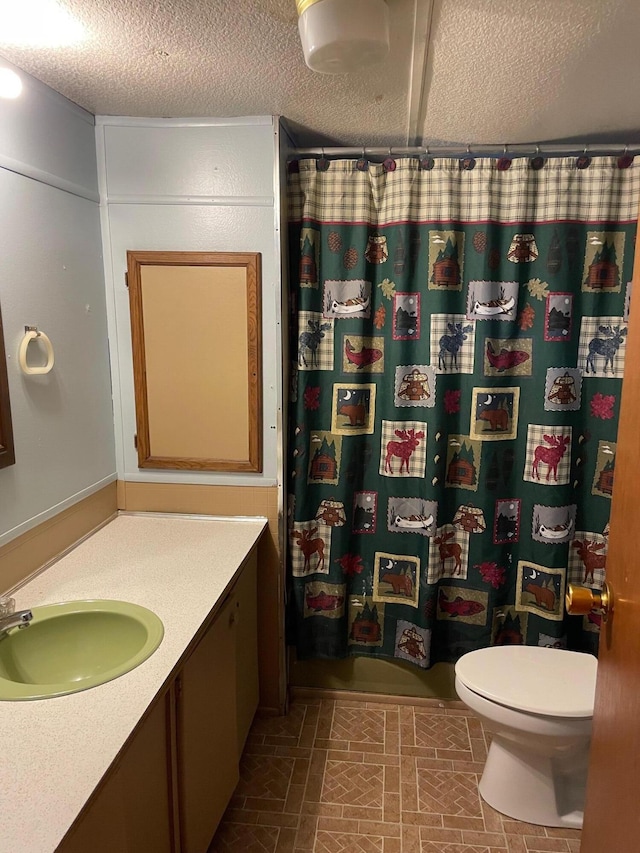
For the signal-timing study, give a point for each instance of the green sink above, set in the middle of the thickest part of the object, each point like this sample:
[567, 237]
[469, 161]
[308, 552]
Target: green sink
[74, 646]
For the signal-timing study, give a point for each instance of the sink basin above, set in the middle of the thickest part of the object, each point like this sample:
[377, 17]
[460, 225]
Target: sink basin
[74, 646]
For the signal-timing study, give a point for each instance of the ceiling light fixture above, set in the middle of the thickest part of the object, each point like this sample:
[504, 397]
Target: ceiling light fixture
[10, 83]
[339, 36]
[38, 23]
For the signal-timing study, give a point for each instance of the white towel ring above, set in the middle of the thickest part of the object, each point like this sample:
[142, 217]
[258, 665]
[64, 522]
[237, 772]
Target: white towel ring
[31, 333]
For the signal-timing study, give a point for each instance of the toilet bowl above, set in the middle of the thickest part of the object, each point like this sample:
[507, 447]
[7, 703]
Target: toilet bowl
[537, 703]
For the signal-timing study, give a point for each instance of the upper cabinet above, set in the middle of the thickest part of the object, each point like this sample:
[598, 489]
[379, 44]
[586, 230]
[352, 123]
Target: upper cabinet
[196, 334]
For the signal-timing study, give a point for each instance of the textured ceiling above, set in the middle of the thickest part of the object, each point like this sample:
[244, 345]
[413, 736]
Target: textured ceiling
[522, 71]
[489, 71]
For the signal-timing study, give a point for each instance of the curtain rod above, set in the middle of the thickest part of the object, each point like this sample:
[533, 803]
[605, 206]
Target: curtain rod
[459, 150]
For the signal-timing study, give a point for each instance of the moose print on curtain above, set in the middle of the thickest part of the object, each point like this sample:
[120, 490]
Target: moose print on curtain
[458, 335]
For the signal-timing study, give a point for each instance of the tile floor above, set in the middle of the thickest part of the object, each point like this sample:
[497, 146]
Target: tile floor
[364, 777]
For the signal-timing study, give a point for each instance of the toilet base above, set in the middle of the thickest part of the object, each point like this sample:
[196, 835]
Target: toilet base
[533, 787]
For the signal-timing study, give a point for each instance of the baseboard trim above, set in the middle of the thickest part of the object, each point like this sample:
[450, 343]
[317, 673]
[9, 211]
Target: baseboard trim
[317, 694]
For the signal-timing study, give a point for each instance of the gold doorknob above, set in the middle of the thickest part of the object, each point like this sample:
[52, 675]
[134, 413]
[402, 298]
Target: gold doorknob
[580, 600]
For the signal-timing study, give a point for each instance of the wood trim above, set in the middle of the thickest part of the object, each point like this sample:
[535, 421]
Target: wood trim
[251, 262]
[254, 337]
[121, 494]
[7, 451]
[208, 499]
[26, 554]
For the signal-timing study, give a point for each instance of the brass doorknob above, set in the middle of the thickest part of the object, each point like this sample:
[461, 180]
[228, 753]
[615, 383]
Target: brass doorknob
[580, 600]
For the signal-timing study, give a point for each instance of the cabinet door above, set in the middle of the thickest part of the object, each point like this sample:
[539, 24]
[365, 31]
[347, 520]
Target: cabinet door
[132, 810]
[144, 785]
[247, 688]
[102, 827]
[206, 732]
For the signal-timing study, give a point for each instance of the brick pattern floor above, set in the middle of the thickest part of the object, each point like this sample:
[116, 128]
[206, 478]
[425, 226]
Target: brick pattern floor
[345, 776]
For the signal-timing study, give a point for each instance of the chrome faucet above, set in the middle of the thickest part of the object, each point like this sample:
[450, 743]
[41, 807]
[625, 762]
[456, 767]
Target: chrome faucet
[19, 619]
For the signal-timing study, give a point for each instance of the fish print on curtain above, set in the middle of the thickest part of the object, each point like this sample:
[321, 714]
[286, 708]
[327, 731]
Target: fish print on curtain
[458, 333]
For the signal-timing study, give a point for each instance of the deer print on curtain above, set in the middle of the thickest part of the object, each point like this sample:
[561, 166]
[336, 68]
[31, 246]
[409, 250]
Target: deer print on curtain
[458, 337]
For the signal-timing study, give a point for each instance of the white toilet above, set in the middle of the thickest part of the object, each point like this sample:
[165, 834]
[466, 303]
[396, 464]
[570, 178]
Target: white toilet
[537, 703]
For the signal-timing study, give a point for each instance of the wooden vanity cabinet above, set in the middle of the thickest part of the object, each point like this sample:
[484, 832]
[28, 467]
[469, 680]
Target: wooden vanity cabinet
[169, 788]
[217, 697]
[131, 812]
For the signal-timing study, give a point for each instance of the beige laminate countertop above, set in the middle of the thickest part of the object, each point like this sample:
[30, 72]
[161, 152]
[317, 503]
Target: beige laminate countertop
[55, 751]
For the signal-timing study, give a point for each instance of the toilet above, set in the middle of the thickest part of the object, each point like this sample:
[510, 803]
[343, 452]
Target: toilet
[537, 703]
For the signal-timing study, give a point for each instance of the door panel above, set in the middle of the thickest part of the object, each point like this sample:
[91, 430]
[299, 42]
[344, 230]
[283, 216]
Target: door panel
[206, 725]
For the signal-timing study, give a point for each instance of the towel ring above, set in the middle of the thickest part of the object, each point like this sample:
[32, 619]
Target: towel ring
[31, 333]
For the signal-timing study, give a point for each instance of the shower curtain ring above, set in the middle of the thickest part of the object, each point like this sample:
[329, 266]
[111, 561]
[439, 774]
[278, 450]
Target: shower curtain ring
[624, 160]
[427, 161]
[504, 162]
[537, 161]
[322, 164]
[584, 161]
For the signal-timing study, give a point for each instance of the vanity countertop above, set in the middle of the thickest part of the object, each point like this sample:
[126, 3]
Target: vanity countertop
[55, 751]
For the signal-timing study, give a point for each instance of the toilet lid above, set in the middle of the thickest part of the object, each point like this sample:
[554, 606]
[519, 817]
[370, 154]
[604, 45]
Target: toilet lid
[536, 679]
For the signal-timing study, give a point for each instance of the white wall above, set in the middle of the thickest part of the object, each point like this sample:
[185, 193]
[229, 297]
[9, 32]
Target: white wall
[190, 185]
[51, 276]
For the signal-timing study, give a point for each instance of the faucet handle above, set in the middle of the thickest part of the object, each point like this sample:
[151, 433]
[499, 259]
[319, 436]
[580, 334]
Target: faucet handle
[7, 606]
[25, 618]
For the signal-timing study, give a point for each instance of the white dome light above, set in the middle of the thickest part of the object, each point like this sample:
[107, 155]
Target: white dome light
[339, 36]
[10, 83]
[38, 23]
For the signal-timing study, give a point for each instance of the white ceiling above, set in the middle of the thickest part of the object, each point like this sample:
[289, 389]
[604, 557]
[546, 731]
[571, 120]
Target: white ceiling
[467, 71]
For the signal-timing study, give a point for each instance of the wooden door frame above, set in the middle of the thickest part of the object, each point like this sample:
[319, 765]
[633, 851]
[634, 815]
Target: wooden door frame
[611, 816]
[250, 262]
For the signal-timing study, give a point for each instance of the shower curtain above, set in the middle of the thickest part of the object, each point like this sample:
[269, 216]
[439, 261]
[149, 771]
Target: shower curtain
[458, 333]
